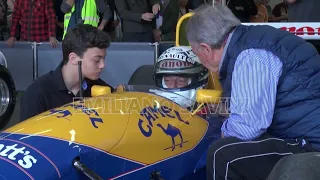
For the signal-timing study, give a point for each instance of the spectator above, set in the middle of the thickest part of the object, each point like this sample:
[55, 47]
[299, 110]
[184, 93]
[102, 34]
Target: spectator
[137, 21]
[113, 21]
[262, 15]
[280, 12]
[269, 9]
[243, 9]
[159, 17]
[173, 12]
[37, 19]
[74, 16]
[3, 18]
[303, 11]
[59, 20]
[9, 19]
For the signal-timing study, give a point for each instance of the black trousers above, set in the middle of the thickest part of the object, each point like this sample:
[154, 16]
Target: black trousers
[234, 159]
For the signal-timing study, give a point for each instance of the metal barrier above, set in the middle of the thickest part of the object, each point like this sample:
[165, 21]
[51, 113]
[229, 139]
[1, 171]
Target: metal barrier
[28, 61]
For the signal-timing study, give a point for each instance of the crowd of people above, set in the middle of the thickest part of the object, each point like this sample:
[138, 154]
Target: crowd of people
[123, 20]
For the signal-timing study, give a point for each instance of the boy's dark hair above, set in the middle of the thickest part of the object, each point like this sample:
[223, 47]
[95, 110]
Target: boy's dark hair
[81, 38]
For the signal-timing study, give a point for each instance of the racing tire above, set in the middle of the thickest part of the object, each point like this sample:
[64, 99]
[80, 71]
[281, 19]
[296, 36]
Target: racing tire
[8, 96]
[143, 76]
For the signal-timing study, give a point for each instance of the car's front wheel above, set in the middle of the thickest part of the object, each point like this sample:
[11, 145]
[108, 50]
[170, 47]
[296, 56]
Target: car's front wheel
[7, 96]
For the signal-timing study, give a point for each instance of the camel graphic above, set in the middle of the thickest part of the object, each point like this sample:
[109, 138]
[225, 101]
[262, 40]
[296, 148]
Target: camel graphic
[172, 132]
[60, 113]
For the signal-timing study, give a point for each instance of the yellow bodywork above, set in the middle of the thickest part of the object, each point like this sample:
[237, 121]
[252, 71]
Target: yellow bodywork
[116, 123]
[121, 128]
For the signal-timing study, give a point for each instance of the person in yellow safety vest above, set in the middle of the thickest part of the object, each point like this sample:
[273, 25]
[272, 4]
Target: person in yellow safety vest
[84, 12]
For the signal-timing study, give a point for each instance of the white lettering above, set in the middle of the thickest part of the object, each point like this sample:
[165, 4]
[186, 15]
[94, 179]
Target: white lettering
[27, 161]
[188, 57]
[174, 64]
[13, 153]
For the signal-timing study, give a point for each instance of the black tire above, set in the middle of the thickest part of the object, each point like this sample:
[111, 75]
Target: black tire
[297, 167]
[8, 96]
[143, 76]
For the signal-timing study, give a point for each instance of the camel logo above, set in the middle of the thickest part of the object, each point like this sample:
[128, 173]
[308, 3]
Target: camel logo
[150, 115]
[172, 132]
[60, 113]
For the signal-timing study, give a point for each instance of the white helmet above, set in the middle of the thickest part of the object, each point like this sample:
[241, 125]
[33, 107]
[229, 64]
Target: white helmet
[181, 61]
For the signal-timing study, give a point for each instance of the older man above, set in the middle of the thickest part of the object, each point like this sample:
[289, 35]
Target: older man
[273, 79]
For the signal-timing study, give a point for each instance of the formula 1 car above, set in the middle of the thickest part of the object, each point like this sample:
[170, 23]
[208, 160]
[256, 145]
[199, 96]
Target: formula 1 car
[130, 134]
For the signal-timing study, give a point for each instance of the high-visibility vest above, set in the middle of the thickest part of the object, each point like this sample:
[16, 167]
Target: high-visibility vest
[89, 15]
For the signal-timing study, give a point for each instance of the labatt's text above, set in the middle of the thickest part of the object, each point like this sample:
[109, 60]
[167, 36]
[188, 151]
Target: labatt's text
[24, 158]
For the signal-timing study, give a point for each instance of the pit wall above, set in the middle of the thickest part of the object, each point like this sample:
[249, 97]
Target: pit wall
[27, 61]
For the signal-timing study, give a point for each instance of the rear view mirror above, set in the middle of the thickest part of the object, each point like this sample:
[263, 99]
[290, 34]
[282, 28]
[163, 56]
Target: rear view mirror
[207, 96]
[100, 90]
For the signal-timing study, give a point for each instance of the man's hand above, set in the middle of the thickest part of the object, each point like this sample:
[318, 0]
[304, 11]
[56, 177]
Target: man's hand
[103, 24]
[10, 41]
[157, 35]
[101, 27]
[147, 16]
[156, 8]
[10, 4]
[53, 42]
[59, 24]
[115, 23]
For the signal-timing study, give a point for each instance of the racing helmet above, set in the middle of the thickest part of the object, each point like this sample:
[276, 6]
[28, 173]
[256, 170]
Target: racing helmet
[180, 62]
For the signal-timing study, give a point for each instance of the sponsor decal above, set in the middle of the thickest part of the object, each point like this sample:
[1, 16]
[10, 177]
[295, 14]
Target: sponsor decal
[304, 30]
[150, 118]
[183, 55]
[93, 114]
[171, 64]
[18, 154]
[94, 117]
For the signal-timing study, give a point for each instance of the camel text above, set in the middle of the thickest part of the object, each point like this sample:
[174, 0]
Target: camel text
[93, 114]
[149, 115]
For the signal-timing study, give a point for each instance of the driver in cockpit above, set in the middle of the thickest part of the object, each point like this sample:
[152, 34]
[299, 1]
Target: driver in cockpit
[180, 71]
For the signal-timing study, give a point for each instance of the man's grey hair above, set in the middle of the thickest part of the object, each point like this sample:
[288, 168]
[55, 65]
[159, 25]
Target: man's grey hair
[211, 25]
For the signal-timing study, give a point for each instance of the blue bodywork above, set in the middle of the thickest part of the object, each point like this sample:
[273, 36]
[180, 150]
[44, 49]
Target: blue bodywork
[54, 158]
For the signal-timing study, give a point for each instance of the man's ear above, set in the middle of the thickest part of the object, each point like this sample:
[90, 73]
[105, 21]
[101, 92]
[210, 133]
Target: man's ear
[73, 58]
[206, 50]
[205, 47]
